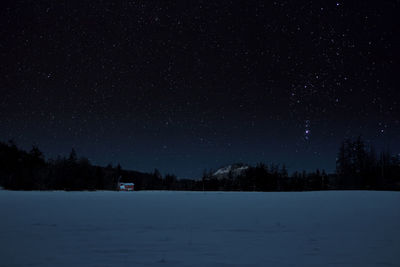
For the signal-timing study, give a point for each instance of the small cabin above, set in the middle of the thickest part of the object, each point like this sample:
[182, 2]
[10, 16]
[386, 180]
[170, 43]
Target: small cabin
[126, 186]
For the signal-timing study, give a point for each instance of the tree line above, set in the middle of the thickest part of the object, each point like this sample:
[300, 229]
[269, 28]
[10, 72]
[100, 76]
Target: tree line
[358, 166]
[22, 170]
[29, 170]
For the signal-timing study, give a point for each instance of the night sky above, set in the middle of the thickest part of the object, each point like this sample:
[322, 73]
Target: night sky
[191, 85]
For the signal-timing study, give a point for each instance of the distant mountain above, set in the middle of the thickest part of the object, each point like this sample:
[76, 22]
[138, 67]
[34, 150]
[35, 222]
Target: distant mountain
[230, 171]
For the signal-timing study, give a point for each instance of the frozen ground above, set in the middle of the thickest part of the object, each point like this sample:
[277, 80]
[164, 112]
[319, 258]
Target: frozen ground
[353, 228]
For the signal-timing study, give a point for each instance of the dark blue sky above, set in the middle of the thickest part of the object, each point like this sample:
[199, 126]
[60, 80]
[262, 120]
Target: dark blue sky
[187, 86]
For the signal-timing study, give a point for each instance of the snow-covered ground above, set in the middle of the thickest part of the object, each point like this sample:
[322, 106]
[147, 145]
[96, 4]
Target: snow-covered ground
[353, 228]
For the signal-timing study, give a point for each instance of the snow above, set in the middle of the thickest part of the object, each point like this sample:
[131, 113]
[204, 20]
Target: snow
[227, 169]
[163, 228]
[130, 184]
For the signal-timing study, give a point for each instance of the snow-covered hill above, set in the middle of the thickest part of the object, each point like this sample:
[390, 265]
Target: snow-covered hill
[230, 170]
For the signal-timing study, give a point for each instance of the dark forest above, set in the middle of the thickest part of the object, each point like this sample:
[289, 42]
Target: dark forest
[357, 167]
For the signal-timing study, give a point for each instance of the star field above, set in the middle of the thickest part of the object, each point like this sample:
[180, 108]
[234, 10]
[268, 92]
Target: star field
[187, 86]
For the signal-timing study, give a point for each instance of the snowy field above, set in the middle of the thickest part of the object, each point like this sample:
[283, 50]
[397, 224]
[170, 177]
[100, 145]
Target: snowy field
[353, 228]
